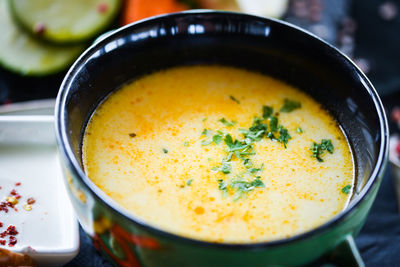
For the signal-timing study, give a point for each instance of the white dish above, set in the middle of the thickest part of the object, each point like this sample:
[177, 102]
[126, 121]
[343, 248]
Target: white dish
[48, 233]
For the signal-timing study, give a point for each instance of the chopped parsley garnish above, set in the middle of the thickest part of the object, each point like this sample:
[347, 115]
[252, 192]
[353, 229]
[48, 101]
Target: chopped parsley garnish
[290, 105]
[189, 182]
[227, 123]
[257, 120]
[217, 139]
[204, 132]
[255, 170]
[241, 186]
[206, 142]
[204, 119]
[165, 150]
[284, 136]
[319, 149]
[273, 124]
[267, 111]
[228, 140]
[234, 99]
[234, 145]
[299, 130]
[186, 143]
[224, 168]
[222, 185]
[242, 149]
[346, 189]
[132, 135]
[247, 163]
[257, 182]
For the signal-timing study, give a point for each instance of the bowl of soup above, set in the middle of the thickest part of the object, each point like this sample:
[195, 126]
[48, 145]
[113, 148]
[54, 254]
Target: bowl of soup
[218, 138]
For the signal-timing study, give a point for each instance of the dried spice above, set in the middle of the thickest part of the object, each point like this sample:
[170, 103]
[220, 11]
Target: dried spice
[30, 201]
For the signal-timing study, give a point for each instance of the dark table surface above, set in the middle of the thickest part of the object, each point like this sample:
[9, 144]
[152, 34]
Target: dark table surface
[367, 31]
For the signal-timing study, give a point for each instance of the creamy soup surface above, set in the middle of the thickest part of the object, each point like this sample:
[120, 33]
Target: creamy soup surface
[199, 152]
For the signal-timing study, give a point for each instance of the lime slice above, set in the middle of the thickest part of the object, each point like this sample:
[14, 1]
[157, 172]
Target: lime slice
[65, 20]
[23, 54]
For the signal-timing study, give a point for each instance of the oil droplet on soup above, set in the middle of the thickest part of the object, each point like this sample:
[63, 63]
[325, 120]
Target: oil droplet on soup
[219, 154]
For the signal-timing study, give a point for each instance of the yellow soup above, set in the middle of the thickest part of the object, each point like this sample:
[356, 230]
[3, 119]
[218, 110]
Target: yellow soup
[219, 154]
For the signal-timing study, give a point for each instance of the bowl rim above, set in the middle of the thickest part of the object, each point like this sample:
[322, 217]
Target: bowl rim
[67, 152]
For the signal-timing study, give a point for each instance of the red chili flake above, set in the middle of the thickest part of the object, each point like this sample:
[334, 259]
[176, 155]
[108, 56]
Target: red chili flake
[18, 183]
[5, 205]
[1, 224]
[12, 230]
[102, 8]
[2, 242]
[40, 28]
[3, 234]
[30, 201]
[13, 241]
[398, 149]
[15, 194]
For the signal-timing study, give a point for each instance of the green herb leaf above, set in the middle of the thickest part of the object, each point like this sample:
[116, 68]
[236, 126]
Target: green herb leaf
[257, 121]
[241, 186]
[253, 135]
[247, 163]
[257, 131]
[206, 142]
[228, 140]
[346, 189]
[204, 132]
[257, 182]
[267, 111]
[319, 149]
[189, 182]
[204, 119]
[271, 136]
[234, 99]
[299, 130]
[222, 185]
[255, 170]
[224, 168]
[327, 145]
[290, 105]
[217, 139]
[165, 150]
[229, 157]
[227, 123]
[273, 124]
[284, 136]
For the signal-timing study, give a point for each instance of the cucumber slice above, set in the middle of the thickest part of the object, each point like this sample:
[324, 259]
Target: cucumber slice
[23, 54]
[65, 20]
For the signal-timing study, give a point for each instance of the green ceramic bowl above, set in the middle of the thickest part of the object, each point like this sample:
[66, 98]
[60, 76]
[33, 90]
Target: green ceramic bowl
[265, 45]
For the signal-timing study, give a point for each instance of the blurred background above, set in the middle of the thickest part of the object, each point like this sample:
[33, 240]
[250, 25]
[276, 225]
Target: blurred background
[365, 30]
[36, 51]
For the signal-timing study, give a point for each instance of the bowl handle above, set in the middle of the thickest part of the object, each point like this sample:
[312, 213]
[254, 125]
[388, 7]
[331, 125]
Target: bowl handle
[345, 254]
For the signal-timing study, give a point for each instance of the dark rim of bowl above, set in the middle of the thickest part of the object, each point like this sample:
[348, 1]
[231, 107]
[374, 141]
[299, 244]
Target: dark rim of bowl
[66, 149]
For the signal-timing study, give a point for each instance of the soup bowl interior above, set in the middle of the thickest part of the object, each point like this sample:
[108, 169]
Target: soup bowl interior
[263, 45]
